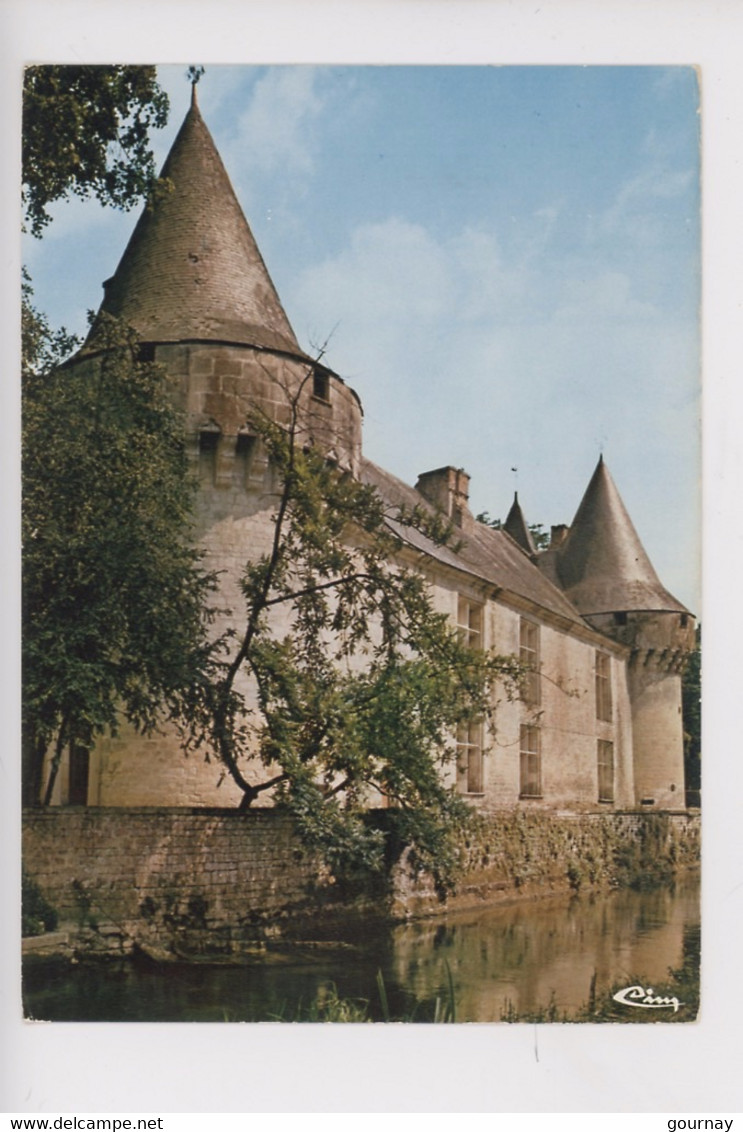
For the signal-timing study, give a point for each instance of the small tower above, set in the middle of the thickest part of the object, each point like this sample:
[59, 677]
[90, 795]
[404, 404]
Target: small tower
[606, 573]
[516, 526]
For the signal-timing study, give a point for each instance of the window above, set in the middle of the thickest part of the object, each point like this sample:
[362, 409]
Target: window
[208, 444]
[469, 758]
[529, 657]
[531, 762]
[320, 386]
[606, 770]
[469, 623]
[469, 735]
[603, 687]
[245, 446]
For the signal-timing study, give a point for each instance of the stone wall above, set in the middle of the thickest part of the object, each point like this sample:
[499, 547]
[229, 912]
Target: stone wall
[521, 853]
[180, 882]
[194, 884]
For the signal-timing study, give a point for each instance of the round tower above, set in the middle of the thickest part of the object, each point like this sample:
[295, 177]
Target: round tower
[608, 576]
[193, 285]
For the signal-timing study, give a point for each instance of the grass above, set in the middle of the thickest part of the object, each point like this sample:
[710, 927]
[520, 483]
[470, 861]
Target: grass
[682, 984]
[329, 1006]
[37, 914]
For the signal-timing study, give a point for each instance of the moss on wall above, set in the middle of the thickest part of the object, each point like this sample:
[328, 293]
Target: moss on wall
[210, 884]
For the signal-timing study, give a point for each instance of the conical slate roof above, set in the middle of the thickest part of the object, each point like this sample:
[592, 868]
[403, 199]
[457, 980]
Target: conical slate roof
[516, 526]
[192, 269]
[603, 566]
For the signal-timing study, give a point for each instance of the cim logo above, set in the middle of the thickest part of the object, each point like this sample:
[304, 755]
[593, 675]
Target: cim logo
[640, 996]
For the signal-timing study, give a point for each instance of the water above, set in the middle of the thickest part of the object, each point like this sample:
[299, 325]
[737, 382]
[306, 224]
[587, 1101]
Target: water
[526, 955]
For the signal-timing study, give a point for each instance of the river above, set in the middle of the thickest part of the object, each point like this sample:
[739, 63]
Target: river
[509, 960]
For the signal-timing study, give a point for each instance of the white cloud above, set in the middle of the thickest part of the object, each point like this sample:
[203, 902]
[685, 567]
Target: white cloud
[275, 130]
[637, 212]
[463, 354]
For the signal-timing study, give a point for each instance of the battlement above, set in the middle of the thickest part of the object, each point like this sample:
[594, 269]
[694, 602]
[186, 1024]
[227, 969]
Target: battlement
[661, 639]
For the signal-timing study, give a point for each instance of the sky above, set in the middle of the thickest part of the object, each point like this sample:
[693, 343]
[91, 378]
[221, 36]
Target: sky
[503, 262]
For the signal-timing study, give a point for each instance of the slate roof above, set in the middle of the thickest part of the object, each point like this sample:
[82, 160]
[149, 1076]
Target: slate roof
[603, 566]
[489, 555]
[192, 269]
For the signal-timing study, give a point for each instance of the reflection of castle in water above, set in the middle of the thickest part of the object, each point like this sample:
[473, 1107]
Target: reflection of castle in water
[528, 954]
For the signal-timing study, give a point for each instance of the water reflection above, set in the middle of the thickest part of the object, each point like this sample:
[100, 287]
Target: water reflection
[522, 954]
[532, 954]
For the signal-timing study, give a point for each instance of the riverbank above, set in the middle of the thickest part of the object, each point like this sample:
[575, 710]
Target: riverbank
[532, 960]
[221, 885]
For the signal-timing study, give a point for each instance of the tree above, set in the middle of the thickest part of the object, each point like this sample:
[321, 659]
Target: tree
[539, 535]
[114, 597]
[114, 610]
[360, 684]
[86, 132]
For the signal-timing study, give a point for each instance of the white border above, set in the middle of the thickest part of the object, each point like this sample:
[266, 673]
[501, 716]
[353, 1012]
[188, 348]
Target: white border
[165, 1068]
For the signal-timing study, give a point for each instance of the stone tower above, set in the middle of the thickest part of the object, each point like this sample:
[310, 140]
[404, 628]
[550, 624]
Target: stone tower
[194, 286]
[607, 575]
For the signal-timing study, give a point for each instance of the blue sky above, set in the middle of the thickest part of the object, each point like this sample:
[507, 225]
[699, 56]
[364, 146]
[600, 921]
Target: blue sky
[505, 260]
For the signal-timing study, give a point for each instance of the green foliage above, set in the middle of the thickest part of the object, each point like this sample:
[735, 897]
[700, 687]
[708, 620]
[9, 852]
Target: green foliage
[37, 914]
[484, 517]
[41, 347]
[682, 984]
[85, 131]
[361, 695]
[691, 709]
[539, 535]
[549, 1013]
[113, 594]
[647, 861]
[329, 1006]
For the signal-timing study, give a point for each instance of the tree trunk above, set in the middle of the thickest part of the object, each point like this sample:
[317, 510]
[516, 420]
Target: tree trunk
[56, 760]
[33, 750]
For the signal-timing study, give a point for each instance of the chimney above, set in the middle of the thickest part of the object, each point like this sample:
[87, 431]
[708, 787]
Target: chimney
[448, 489]
[558, 535]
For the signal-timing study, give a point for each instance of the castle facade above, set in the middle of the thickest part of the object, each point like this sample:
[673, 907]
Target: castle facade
[598, 725]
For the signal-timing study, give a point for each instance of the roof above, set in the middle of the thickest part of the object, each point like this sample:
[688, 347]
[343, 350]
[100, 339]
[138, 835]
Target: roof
[603, 566]
[489, 555]
[192, 269]
[516, 526]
